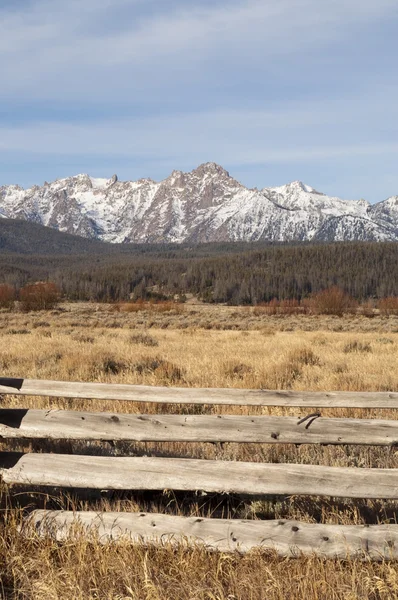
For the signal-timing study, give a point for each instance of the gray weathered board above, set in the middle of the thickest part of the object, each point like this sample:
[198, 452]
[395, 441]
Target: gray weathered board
[147, 473]
[219, 396]
[287, 538]
[75, 425]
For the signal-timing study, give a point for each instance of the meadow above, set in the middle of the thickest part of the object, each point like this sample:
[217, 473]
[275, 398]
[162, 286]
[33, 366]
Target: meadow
[195, 345]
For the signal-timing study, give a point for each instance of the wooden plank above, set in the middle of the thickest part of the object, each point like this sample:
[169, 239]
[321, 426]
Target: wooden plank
[219, 396]
[287, 538]
[147, 473]
[75, 425]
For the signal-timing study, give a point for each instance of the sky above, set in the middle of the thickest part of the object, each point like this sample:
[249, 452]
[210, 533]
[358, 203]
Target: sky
[273, 90]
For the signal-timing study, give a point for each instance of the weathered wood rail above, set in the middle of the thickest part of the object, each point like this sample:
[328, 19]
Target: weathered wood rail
[248, 478]
[217, 396]
[153, 473]
[81, 425]
[287, 538]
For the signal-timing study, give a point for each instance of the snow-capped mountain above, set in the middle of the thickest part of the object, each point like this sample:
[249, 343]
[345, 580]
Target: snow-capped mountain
[204, 205]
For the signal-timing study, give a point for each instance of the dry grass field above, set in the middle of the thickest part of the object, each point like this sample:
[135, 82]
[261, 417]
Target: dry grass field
[195, 346]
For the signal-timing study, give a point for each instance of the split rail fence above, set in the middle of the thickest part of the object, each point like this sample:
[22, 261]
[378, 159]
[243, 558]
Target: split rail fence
[288, 538]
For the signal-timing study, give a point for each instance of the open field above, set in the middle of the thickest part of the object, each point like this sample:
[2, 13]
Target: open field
[197, 346]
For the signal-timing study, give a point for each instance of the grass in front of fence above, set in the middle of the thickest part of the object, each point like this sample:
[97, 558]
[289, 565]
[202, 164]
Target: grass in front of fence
[197, 347]
[82, 568]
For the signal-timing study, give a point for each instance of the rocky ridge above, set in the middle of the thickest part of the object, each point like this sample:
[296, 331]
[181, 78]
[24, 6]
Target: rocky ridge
[205, 205]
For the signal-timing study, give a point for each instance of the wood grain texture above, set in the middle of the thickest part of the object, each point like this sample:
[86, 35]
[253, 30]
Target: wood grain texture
[75, 425]
[219, 396]
[287, 538]
[147, 473]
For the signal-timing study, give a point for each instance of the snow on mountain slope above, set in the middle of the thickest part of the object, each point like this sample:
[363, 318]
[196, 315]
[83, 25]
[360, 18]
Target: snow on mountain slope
[386, 213]
[298, 196]
[206, 204]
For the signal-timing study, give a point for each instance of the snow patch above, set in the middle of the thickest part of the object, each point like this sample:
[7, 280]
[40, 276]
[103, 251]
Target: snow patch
[98, 183]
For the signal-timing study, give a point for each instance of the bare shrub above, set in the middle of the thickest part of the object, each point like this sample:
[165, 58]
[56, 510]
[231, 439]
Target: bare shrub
[238, 370]
[168, 372]
[388, 306]
[113, 324]
[286, 373]
[112, 366]
[41, 324]
[266, 308]
[7, 296]
[145, 339]
[332, 301]
[147, 364]
[17, 331]
[384, 340]
[304, 356]
[165, 371]
[39, 296]
[356, 346]
[290, 307]
[83, 338]
[367, 309]
[131, 307]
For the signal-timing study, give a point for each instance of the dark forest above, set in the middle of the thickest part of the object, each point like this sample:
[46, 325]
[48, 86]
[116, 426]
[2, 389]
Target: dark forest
[228, 273]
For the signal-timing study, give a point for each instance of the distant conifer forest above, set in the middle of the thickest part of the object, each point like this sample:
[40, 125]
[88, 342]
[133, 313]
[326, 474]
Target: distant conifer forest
[237, 274]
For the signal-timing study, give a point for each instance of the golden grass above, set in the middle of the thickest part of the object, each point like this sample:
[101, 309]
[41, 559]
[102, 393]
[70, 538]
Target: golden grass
[82, 569]
[224, 347]
[199, 346]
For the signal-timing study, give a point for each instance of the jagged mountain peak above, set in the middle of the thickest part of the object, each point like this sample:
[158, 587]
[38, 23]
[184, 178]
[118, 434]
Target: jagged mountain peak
[210, 168]
[304, 187]
[391, 201]
[95, 183]
[176, 178]
[205, 204]
[296, 187]
[12, 186]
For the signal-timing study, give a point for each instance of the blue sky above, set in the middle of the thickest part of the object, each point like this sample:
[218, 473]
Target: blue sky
[273, 90]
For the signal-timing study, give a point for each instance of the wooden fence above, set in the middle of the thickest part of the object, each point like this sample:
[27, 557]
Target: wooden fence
[248, 478]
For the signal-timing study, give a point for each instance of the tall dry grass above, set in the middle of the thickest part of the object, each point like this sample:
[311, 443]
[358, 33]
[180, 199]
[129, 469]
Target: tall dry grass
[200, 346]
[82, 569]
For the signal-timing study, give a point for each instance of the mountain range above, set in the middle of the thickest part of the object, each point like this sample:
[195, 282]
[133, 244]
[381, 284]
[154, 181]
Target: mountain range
[204, 205]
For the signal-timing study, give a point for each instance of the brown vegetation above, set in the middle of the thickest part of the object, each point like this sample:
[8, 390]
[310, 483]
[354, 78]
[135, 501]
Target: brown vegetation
[388, 306]
[7, 296]
[332, 301]
[160, 306]
[39, 296]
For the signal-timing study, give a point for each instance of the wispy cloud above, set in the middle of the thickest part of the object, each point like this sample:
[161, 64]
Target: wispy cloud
[234, 136]
[57, 49]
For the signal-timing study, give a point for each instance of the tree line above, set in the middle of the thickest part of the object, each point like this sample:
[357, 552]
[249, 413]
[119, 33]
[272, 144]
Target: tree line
[241, 275]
